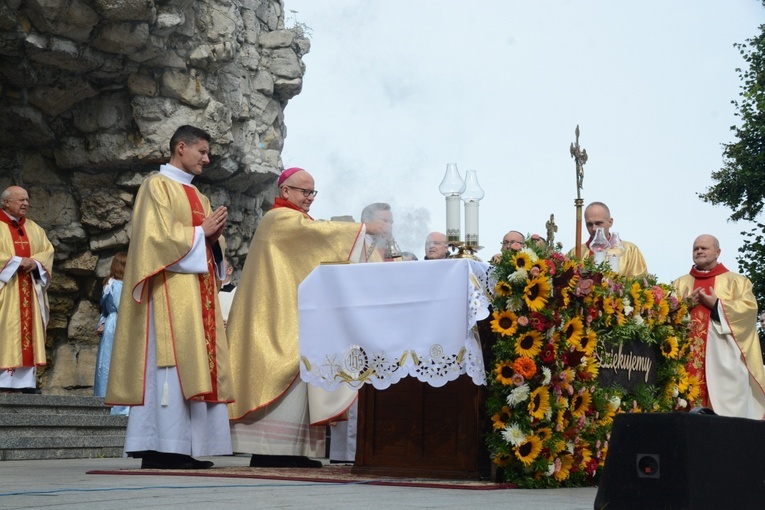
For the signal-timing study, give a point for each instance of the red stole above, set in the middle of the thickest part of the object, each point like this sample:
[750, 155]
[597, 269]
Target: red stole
[700, 317]
[280, 202]
[207, 290]
[26, 286]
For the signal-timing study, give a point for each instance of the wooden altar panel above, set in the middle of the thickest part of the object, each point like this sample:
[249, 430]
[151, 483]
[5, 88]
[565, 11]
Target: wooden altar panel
[412, 429]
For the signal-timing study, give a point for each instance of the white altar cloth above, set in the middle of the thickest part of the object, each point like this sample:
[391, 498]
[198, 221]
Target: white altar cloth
[376, 323]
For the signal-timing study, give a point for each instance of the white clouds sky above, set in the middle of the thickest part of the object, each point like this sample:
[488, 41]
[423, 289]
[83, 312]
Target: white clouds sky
[394, 90]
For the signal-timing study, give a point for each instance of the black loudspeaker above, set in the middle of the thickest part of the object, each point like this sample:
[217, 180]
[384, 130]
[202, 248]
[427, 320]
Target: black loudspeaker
[683, 461]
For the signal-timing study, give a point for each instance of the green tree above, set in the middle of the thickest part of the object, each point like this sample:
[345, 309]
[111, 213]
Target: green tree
[740, 184]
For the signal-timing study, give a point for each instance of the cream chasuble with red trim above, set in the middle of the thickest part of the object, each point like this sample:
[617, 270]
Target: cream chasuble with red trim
[726, 355]
[23, 308]
[188, 325]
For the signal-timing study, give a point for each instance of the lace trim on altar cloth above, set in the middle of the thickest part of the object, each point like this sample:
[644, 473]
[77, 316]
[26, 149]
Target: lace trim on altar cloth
[356, 366]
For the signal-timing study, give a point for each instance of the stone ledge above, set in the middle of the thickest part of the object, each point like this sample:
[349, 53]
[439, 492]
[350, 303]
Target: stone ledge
[20, 399]
[60, 453]
[47, 442]
[61, 420]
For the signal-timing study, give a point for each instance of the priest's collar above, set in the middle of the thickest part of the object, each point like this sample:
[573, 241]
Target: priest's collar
[176, 174]
[11, 217]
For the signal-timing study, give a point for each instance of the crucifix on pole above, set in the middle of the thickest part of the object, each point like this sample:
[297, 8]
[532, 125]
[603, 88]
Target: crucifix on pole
[580, 157]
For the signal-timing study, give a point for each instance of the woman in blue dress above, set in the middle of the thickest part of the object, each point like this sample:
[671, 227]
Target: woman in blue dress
[110, 304]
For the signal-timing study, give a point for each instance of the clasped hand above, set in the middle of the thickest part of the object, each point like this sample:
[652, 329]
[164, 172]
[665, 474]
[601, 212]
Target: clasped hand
[700, 296]
[27, 265]
[213, 224]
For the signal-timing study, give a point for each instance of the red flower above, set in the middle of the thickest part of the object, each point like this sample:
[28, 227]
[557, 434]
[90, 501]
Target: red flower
[573, 358]
[548, 353]
[537, 321]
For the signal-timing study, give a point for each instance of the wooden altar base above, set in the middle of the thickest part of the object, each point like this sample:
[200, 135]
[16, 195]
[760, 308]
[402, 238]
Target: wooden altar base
[415, 430]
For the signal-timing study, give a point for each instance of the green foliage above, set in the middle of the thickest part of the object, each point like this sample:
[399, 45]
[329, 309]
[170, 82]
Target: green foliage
[740, 184]
[751, 261]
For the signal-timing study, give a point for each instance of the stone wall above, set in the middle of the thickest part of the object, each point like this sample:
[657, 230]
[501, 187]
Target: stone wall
[90, 93]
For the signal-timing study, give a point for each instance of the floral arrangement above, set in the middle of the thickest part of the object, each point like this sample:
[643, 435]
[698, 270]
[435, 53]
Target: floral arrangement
[551, 419]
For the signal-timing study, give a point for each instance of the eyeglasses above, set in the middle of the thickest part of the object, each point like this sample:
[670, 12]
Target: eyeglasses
[306, 192]
[17, 227]
[510, 243]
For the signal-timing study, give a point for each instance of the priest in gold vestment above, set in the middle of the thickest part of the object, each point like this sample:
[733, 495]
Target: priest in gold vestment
[170, 358]
[725, 351]
[26, 260]
[597, 215]
[271, 416]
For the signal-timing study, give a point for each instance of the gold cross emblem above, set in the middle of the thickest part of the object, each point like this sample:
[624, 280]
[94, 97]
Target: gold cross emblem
[21, 242]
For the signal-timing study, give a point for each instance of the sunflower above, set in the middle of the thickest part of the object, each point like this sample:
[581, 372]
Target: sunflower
[669, 348]
[648, 299]
[503, 289]
[663, 311]
[529, 344]
[591, 368]
[586, 343]
[539, 403]
[586, 456]
[580, 403]
[694, 389]
[563, 466]
[504, 371]
[537, 293]
[541, 265]
[501, 459]
[636, 292]
[529, 450]
[609, 306]
[573, 330]
[682, 379]
[681, 314]
[505, 323]
[522, 260]
[608, 416]
[561, 422]
[501, 418]
[525, 367]
[544, 433]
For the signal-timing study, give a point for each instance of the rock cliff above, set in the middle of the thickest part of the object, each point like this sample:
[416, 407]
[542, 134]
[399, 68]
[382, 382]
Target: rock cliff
[90, 93]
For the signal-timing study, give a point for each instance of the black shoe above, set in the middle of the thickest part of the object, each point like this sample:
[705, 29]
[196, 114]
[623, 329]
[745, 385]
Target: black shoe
[162, 460]
[342, 462]
[280, 461]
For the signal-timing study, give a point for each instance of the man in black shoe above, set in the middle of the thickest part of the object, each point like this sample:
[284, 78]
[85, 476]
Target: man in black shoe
[170, 359]
[273, 417]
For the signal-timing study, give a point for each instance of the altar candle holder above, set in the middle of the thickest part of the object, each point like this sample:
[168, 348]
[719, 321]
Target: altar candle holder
[451, 187]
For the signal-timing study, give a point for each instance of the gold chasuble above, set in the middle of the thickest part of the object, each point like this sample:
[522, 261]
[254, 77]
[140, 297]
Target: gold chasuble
[188, 325]
[726, 355]
[632, 263]
[23, 300]
[263, 322]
